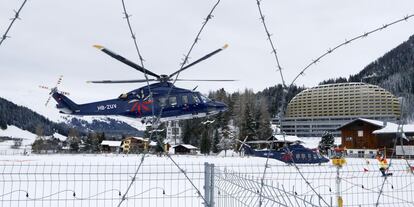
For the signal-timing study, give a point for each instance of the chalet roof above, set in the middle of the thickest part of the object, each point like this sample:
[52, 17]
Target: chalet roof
[111, 143]
[392, 128]
[137, 138]
[377, 123]
[188, 146]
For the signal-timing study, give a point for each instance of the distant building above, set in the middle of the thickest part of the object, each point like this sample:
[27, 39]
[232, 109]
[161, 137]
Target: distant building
[185, 149]
[366, 138]
[174, 132]
[327, 107]
[135, 145]
[110, 146]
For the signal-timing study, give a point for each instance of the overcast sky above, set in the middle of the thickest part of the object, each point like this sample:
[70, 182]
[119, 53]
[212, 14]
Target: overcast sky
[55, 37]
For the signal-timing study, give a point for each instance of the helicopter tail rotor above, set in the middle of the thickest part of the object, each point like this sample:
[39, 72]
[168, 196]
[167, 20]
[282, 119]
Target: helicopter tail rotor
[54, 90]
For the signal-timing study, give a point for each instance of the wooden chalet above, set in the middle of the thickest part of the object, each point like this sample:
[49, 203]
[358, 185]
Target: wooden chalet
[367, 138]
[185, 149]
[110, 146]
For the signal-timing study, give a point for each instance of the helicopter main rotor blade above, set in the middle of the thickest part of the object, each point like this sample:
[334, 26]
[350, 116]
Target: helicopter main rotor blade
[203, 80]
[122, 81]
[199, 60]
[126, 61]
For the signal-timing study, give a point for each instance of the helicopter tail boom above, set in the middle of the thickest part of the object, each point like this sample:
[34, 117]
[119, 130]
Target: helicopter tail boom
[64, 104]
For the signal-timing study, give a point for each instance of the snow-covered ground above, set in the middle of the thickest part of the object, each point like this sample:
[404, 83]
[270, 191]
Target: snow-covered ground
[98, 180]
[15, 132]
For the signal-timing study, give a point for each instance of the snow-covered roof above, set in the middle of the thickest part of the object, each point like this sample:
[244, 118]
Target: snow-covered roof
[371, 121]
[138, 138]
[392, 128]
[291, 138]
[188, 146]
[59, 136]
[111, 143]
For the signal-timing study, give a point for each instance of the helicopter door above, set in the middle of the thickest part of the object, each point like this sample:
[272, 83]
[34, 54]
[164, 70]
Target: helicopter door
[185, 102]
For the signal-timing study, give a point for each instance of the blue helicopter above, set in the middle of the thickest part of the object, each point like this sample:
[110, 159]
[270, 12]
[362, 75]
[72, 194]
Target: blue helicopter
[161, 99]
[283, 150]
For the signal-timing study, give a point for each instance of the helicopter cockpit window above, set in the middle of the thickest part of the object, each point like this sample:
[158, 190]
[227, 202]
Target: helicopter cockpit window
[123, 96]
[173, 101]
[204, 99]
[196, 100]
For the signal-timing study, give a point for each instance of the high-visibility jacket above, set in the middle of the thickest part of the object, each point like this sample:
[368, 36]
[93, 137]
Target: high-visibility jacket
[383, 163]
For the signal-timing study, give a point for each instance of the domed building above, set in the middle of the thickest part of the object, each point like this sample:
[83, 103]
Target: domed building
[327, 107]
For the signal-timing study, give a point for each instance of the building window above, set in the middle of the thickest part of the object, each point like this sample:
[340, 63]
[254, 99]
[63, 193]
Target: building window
[360, 133]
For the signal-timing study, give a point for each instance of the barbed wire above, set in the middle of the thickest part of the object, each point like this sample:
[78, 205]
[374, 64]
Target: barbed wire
[346, 42]
[158, 118]
[262, 18]
[269, 38]
[16, 17]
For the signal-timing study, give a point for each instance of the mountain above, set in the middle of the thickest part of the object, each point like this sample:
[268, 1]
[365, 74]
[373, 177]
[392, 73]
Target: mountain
[394, 71]
[27, 119]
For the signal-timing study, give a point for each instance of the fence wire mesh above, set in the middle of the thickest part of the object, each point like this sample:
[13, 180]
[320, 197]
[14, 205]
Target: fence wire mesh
[360, 185]
[161, 184]
[32, 181]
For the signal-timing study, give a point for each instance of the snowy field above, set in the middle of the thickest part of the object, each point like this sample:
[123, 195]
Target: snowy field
[101, 180]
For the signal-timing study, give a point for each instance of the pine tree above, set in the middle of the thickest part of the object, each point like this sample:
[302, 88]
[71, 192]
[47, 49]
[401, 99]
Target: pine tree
[3, 124]
[248, 124]
[264, 130]
[216, 141]
[74, 140]
[326, 143]
[205, 145]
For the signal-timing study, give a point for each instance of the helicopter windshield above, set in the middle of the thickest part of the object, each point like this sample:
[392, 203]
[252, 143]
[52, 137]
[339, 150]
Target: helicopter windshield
[204, 99]
[123, 96]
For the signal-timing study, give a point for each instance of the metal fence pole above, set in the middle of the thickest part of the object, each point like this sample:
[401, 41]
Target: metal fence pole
[207, 185]
[211, 186]
[338, 187]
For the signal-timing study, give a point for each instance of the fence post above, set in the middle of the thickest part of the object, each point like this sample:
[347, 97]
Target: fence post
[338, 187]
[212, 185]
[207, 185]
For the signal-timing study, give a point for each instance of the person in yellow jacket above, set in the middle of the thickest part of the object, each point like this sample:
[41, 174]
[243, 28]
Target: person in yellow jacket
[383, 165]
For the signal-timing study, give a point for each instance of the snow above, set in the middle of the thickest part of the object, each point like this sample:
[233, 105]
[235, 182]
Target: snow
[228, 153]
[188, 146]
[111, 143]
[393, 128]
[313, 142]
[59, 136]
[374, 122]
[15, 132]
[93, 174]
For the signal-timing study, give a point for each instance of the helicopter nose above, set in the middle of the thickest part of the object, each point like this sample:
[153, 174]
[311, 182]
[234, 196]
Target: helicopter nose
[216, 106]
